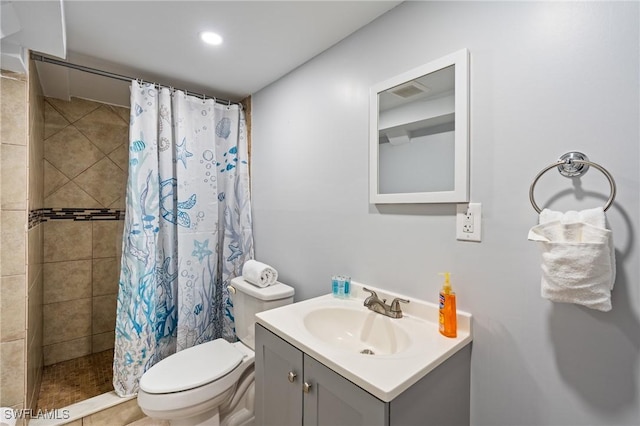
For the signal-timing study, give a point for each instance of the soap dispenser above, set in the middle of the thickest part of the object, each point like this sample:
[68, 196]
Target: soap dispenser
[448, 316]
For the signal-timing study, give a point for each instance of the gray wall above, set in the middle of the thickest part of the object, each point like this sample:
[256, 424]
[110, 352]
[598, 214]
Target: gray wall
[546, 78]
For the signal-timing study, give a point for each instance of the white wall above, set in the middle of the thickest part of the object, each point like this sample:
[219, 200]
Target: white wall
[546, 78]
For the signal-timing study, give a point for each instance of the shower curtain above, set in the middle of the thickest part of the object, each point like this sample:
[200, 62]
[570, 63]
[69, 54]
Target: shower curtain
[187, 228]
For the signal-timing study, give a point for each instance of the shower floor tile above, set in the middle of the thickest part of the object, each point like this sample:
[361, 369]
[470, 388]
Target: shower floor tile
[75, 380]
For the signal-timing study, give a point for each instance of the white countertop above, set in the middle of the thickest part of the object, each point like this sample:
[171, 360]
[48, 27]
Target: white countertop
[385, 376]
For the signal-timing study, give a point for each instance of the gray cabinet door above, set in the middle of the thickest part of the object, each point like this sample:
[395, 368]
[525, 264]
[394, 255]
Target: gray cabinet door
[332, 400]
[278, 400]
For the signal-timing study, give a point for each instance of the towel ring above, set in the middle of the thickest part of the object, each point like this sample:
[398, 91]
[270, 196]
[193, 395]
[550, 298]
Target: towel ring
[574, 164]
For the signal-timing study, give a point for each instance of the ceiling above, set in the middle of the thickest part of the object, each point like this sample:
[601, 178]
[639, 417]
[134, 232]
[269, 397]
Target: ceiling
[159, 41]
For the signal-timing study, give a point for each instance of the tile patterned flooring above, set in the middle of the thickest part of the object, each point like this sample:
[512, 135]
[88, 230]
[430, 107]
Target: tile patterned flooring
[68, 382]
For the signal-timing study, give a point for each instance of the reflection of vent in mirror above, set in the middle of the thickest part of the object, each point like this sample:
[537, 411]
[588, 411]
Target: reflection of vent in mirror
[409, 89]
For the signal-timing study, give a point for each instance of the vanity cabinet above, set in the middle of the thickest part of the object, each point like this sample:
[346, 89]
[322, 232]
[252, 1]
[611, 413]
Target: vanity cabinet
[292, 388]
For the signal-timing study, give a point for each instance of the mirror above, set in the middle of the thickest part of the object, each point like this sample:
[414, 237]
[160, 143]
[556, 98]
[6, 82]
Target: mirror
[419, 134]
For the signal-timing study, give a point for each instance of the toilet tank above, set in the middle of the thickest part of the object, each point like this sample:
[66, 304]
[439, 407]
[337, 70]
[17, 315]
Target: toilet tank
[249, 299]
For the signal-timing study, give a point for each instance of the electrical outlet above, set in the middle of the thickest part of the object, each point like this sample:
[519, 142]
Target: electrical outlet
[469, 222]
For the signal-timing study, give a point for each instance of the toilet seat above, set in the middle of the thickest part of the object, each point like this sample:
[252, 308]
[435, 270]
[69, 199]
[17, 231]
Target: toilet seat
[177, 405]
[191, 368]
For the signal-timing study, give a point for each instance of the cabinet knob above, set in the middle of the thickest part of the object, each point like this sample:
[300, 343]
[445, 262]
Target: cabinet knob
[306, 387]
[292, 376]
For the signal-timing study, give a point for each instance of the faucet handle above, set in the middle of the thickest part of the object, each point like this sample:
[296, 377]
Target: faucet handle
[373, 293]
[395, 304]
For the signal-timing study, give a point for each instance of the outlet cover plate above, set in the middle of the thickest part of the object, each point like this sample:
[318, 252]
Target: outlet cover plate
[469, 222]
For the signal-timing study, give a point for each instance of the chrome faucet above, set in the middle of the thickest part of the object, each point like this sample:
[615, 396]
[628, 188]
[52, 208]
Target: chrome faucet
[375, 304]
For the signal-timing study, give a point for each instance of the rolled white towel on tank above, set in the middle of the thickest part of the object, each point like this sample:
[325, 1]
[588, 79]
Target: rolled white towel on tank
[259, 274]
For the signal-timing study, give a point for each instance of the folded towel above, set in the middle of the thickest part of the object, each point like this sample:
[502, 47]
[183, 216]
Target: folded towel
[578, 258]
[259, 274]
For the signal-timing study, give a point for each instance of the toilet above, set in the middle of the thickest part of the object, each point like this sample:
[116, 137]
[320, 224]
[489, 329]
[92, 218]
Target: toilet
[213, 383]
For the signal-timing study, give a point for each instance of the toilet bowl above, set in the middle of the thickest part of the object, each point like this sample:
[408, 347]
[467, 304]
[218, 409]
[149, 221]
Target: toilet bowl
[213, 383]
[192, 386]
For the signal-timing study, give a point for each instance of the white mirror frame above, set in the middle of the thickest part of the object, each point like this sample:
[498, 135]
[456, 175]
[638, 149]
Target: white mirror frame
[460, 192]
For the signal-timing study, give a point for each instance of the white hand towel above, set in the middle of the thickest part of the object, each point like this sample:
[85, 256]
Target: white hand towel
[578, 258]
[259, 274]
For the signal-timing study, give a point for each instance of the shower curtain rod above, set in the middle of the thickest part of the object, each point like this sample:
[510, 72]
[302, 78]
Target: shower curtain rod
[45, 59]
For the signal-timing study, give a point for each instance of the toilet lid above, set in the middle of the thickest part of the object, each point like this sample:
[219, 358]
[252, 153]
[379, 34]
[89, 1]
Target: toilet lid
[191, 368]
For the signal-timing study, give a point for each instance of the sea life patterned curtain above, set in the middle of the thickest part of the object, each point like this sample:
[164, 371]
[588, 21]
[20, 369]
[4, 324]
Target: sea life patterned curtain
[187, 228]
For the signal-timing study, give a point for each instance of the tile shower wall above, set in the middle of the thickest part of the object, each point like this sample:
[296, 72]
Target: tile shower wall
[85, 167]
[21, 286]
[13, 321]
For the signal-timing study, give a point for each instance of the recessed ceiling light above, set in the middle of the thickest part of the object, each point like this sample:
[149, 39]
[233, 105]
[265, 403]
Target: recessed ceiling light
[211, 38]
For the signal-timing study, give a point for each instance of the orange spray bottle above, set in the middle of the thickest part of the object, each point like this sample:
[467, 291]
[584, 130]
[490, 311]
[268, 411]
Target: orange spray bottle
[448, 316]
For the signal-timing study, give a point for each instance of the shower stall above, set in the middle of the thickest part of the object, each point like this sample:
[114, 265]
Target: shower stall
[85, 167]
[64, 169]
[64, 166]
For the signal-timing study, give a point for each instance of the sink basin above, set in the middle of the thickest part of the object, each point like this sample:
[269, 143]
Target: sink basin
[356, 330]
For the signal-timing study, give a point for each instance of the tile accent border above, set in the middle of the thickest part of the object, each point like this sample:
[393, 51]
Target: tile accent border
[39, 216]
